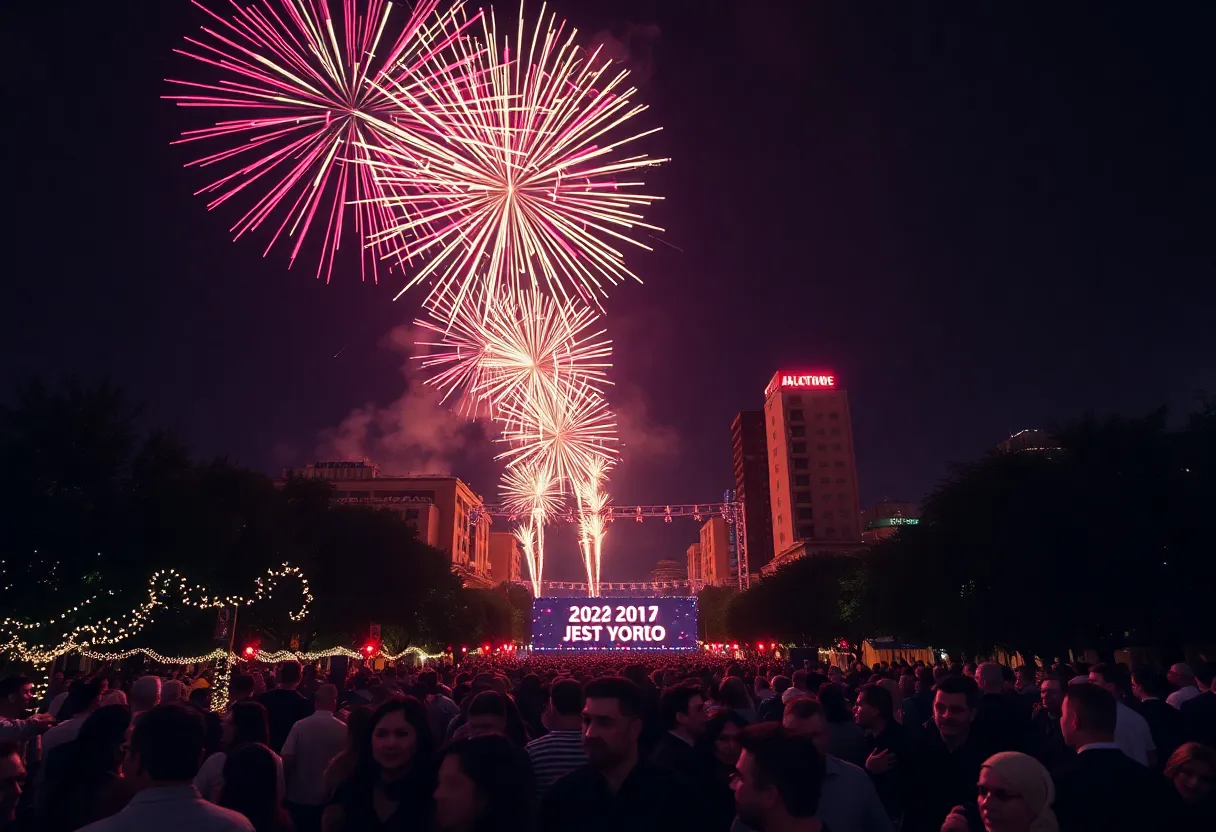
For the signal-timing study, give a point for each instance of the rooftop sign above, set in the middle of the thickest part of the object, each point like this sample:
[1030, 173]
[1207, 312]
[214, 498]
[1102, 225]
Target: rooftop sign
[785, 380]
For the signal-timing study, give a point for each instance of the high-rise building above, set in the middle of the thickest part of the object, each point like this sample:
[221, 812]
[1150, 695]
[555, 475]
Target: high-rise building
[667, 570]
[504, 557]
[812, 470]
[749, 448]
[884, 519]
[715, 552]
[694, 565]
[445, 507]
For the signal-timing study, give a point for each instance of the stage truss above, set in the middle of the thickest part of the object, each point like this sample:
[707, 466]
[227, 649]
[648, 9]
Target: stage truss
[731, 512]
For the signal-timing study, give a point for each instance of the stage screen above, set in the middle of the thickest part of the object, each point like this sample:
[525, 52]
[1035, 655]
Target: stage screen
[614, 624]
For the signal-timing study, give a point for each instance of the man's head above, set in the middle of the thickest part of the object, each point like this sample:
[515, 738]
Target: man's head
[1106, 676]
[1026, 677]
[781, 684]
[805, 717]
[1089, 715]
[289, 674]
[166, 747]
[779, 777]
[487, 714]
[875, 708]
[760, 685]
[83, 697]
[1204, 675]
[800, 680]
[612, 721]
[954, 702]
[12, 781]
[1181, 675]
[145, 693]
[1148, 683]
[835, 675]
[1051, 694]
[682, 709]
[565, 709]
[240, 686]
[990, 677]
[327, 698]
[16, 693]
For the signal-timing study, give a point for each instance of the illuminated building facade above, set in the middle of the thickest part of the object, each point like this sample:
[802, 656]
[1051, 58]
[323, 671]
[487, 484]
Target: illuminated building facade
[440, 506]
[714, 552]
[812, 469]
[667, 570]
[883, 520]
[504, 557]
[749, 450]
[694, 565]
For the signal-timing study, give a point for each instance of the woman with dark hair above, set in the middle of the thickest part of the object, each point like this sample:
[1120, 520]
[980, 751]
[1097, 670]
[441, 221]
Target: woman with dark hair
[249, 788]
[343, 766]
[722, 737]
[245, 723]
[491, 712]
[733, 695]
[83, 780]
[846, 740]
[484, 786]
[394, 775]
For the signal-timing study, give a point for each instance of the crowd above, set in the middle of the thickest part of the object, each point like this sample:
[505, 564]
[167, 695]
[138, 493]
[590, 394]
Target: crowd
[627, 743]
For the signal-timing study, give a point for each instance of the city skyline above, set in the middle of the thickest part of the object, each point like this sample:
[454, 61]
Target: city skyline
[969, 249]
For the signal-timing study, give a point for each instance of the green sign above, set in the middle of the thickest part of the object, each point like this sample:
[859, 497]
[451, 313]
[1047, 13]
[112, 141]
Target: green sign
[883, 522]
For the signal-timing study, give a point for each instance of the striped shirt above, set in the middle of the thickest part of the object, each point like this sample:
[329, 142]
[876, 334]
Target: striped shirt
[555, 755]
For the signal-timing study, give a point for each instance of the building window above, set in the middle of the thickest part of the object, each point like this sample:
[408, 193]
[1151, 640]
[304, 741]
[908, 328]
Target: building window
[836, 446]
[826, 480]
[806, 514]
[802, 496]
[797, 432]
[842, 497]
[823, 463]
[782, 539]
[834, 416]
[828, 516]
[802, 480]
[818, 415]
[800, 464]
[819, 432]
[798, 447]
[822, 447]
[806, 532]
[827, 498]
[835, 431]
[778, 501]
[840, 463]
[845, 530]
[840, 480]
[831, 531]
[796, 400]
[796, 415]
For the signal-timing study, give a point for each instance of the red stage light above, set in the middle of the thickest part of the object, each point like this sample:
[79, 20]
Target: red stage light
[760, 646]
[464, 649]
[249, 651]
[369, 649]
[773, 645]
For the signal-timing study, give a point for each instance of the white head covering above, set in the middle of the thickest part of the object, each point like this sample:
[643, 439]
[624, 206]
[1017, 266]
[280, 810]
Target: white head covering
[1026, 776]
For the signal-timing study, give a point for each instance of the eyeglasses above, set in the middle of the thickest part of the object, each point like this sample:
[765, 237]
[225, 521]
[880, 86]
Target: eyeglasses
[996, 794]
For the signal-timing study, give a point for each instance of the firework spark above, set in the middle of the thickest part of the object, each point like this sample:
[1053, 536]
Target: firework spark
[307, 90]
[524, 180]
[526, 535]
[523, 346]
[532, 491]
[566, 432]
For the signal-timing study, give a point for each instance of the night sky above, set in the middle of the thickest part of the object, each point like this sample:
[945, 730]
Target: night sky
[981, 220]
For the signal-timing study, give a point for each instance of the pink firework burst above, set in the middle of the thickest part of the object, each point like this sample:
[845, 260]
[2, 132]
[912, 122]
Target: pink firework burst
[304, 88]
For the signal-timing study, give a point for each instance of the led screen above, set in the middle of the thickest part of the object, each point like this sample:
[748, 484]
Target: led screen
[614, 624]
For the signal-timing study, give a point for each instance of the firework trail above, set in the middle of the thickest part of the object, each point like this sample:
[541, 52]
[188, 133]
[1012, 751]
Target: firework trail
[304, 87]
[525, 181]
[532, 491]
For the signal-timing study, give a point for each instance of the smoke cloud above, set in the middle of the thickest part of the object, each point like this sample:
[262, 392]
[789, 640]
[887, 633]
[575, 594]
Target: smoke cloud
[631, 46]
[415, 434]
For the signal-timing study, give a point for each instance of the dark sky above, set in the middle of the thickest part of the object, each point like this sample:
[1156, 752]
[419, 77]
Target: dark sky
[983, 219]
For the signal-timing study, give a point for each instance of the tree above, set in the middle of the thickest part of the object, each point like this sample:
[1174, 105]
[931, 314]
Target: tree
[804, 602]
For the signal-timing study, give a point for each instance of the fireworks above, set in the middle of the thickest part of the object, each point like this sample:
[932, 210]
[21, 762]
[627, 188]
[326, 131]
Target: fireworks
[522, 182]
[310, 104]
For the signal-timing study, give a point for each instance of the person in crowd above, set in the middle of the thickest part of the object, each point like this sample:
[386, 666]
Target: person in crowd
[342, 766]
[1164, 722]
[1001, 718]
[560, 751]
[778, 782]
[1104, 788]
[618, 788]
[161, 761]
[12, 782]
[1046, 739]
[199, 698]
[848, 799]
[250, 787]
[285, 706]
[311, 744]
[491, 712]
[1199, 712]
[483, 786]
[772, 708]
[240, 688]
[1183, 678]
[733, 694]
[941, 770]
[16, 723]
[529, 698]
[173, 692]
[722, 736]
[876, 716]
[848, 741]
[1027, 685]
[392, 785]
[84, 781]
[246, 723]
[762, 690]
[440, 708]
[1015, 795]
[683, 716]
[145, 695]
[1132, 733]
[83, 699]
[1192, 770]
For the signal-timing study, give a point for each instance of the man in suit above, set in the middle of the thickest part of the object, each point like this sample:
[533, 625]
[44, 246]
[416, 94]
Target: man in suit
[1103, 788]
[1164, 721]
[1199, 712]
[682, 711]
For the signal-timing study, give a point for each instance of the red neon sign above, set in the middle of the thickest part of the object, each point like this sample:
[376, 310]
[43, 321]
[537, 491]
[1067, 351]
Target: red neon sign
[802, 380]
